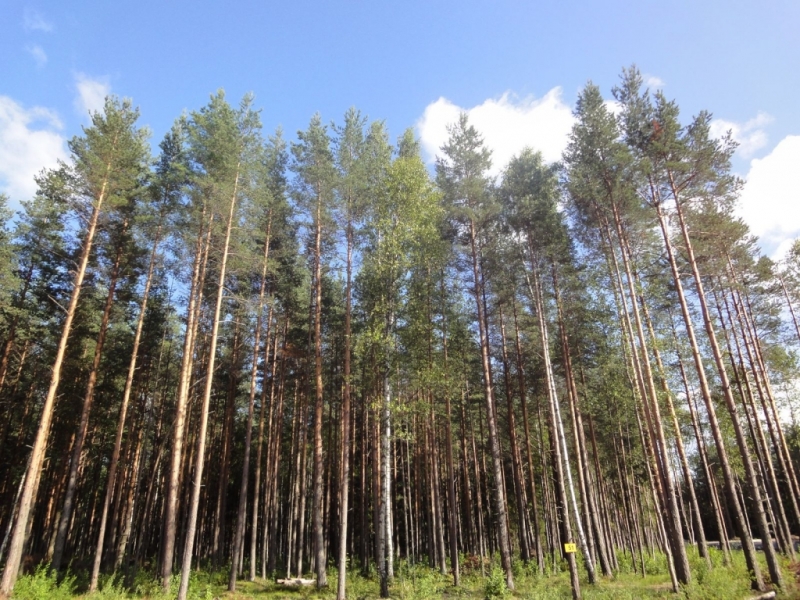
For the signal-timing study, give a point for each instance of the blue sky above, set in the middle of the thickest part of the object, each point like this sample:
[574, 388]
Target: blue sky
[516, 66]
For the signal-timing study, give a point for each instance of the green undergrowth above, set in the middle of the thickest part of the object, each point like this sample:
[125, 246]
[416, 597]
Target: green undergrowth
[419, 582]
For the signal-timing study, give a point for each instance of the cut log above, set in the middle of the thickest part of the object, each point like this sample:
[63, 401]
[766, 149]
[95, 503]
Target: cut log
[767, 596]
[296, 582]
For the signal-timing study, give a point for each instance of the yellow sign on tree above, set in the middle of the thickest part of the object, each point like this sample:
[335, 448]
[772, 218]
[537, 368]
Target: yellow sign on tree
[570, 548]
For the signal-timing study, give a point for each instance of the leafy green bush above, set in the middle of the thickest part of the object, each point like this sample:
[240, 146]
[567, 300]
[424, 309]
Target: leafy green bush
[43, 585]
[358, 586]
[416, 581]
[495, 586]
[655, 563]
[147, 585]
[111, 588]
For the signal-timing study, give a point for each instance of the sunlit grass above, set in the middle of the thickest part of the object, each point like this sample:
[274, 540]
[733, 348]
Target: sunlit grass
[419, 581]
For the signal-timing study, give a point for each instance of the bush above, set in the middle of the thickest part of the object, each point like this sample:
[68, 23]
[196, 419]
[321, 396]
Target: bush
[417, 582]
[110, 589]
[147, 585]
[495, 586]
[43, 584]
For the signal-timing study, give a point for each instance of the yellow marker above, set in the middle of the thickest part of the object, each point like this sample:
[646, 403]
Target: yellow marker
[570, 548]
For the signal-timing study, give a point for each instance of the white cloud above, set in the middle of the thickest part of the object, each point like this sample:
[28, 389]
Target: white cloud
[91, 94]
[508, 124]
[750, 135]
[653, 82]
[614, 107]
[770, 200]
[38, 54]
[34, 21]
[30, 140]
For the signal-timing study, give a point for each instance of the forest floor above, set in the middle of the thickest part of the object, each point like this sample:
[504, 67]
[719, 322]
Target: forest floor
[420, 582]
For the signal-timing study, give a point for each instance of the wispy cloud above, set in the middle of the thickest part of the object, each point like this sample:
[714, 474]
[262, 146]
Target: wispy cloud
[508, 124]
[653, 82]
[750, 135]
[91, 95]
[34, 21]
[38, 54]
[30, 140]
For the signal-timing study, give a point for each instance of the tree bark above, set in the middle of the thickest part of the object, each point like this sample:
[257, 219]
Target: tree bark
[188, 550]
[30, 488]
[750, 476]
[241, 515]
[451, 480]
[558, 444]
[344, 483]
[497, 462]
[83, 425]
[202, 251]
[318, 532]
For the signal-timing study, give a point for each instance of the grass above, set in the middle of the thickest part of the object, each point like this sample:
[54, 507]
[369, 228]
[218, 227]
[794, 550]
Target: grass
[419, 582]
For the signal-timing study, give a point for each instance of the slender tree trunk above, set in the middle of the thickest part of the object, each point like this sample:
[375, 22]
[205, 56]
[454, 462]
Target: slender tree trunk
[318, 532]
[131, 496]
[303, 493]
[788, 304]
[766, 397]
[188, 550]
[344, 483]
[384, 544]
[241, 516]
[471, 541]
[558, 444]
[202, 251]
[768, 476]
[260, 443]
[451, 481]
[497, 462]
[12, 330]
[478, 496]
[220, 521]
[88, 401]
[112, 470]
[634, 365]
[663, 472]
[687, 473]
[750, 477]
[584, 472]
[274, 437]
[30, 488]
[529, 453]
[294, 481]
[515, 454]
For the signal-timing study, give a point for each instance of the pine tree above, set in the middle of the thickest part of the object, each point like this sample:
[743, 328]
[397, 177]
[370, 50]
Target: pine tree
[314, 166]
[685, 164]
[107, 162]
[461, 173]
[222, 143]
[165, 192]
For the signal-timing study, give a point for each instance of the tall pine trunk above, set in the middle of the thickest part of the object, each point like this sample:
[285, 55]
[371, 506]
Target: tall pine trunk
[344, 483]
[202, 250]
[188, 549]
[32, 473]
[750, 477]
[83, 425]
[318, 534]
[494, 442]
[451, 478]
[241, 514]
